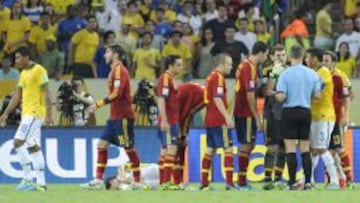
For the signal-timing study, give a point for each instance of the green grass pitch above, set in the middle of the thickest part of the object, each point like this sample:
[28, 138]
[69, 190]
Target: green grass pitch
[59, 193]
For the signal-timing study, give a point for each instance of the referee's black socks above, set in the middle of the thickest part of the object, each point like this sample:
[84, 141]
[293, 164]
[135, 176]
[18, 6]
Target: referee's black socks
[292, 163]
[306, 163]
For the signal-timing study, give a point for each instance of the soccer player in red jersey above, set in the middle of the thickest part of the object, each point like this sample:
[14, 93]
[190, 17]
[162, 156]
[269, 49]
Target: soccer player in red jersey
[247, 118]
[191, 101]
[119, 128]
[341, 104]
[216, 118]
[169, 132]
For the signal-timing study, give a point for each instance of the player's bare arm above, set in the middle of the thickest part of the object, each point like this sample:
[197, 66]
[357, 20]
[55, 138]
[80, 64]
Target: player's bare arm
[221, 107]
[14, 102]
[48, 119]
[162, 110]
[252, 105]
[107, 100]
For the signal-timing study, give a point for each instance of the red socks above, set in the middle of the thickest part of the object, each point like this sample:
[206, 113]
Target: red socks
[101, 163]
[229, 167]
[205, 167]
[135, 164]
[243, 165]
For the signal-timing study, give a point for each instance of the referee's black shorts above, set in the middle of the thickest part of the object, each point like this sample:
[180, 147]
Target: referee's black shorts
[296, 123]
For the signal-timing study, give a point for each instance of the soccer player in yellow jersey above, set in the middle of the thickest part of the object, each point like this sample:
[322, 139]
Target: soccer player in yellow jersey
[323, 118]
[33, 93]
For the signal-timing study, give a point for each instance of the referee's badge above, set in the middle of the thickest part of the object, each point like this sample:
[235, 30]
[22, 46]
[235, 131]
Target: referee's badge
[117, 83]
[220, 90]
[252, 84]
[165, 91]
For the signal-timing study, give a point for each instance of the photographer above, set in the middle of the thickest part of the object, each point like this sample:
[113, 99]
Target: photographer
[145, 105]
[73, 102]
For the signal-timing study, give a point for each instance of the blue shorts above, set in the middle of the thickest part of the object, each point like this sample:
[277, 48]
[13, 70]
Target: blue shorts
[218, 137]
[170, 136]
[119, 133]
[246, 130]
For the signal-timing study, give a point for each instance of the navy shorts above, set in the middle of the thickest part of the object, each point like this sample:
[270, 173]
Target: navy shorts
[119, 133]
[218, 137]
[170, 136]
[337, 137]
[246, 130]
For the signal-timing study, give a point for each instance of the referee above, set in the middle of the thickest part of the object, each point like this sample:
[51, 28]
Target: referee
[296, 87]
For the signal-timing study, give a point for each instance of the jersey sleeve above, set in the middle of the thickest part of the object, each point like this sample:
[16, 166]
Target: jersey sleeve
[248, 78]
[345, 86]
[163, 88]
[43, 78]
[217, 86]
[119, 80]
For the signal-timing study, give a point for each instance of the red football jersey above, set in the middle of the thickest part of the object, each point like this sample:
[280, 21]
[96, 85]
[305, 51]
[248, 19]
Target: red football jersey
[340, 91]
[215, 87]
[120, 107]
[191, 100]
[167, 88]
[246, 75]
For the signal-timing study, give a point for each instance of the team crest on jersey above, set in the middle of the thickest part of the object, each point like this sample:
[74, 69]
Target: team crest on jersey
[345, 91]
[220, 90]
[117, 83]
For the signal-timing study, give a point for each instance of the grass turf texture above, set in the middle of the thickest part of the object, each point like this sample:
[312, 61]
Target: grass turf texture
[72, 193]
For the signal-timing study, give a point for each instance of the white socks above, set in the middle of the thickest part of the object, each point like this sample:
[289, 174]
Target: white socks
[315, 161]
[330, 167]
[39, 165]
[25, 161]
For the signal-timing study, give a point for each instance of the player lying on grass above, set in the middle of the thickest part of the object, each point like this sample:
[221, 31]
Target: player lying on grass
[124, 179]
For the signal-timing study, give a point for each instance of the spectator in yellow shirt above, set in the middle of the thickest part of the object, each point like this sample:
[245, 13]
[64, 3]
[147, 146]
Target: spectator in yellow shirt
[39, 33]
[146, 60]
[323, 39]
[346, 62]
[170, 15]
[133, 18]
[4, 17]
[82, 50]
[60, 6]
[262, 34]
[17, 29]
[176, 47]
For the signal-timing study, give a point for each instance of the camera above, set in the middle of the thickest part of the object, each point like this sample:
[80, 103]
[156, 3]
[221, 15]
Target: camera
[65, 96]
[145, 105]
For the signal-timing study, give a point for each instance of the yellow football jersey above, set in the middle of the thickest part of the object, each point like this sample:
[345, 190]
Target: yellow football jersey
[323, 109]
[33, 97]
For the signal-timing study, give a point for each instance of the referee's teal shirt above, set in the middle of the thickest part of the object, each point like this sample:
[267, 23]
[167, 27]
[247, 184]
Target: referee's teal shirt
[298, 83]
